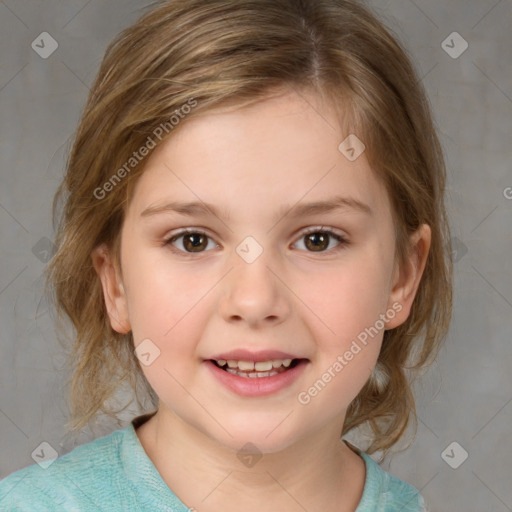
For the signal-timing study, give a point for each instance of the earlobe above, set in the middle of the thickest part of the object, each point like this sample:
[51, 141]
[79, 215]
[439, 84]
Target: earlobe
[113, 289]
[407, 276]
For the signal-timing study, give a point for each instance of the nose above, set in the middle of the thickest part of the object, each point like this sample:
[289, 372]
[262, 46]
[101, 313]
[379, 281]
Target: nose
[255, 293]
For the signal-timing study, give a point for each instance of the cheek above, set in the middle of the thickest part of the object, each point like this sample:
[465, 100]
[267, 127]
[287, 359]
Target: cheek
[348, 297]
[348, 331]
[337, 383]
[168, 308]
[346, 303]
[161, 297]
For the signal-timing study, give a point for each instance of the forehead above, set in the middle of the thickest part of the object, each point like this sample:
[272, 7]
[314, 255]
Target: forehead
[281, 150]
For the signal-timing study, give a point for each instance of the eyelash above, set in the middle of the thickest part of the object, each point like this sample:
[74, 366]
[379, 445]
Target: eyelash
[343, 242]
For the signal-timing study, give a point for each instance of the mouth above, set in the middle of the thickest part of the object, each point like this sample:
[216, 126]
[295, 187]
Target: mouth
[256, 370]
[257, 378]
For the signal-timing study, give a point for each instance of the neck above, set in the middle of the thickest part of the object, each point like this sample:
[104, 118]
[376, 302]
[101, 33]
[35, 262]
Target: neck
[318, 472]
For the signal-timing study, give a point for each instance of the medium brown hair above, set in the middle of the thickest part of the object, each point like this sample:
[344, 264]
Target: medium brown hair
[219, 52]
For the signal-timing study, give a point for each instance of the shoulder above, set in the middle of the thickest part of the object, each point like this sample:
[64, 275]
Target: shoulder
[384, 492]
[69, 481]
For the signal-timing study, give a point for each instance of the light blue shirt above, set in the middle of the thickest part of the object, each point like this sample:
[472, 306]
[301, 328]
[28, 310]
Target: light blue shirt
[114, 474]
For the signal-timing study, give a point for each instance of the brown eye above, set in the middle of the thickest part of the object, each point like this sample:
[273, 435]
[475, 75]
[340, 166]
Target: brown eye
[320, 240]
[195, 242]
[191, 241]
[317, 241]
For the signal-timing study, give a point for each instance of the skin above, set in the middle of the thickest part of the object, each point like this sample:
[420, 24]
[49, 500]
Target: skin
[252, 162]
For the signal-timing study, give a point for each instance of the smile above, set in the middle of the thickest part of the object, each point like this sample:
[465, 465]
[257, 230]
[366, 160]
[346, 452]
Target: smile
[251, 369]
[256, 379]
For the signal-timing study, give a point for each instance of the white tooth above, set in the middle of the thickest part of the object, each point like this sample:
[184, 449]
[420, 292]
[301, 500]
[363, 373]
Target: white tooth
[252, 375]
[246, 365]
[232, 363]
[263, 366]
[277, 363]
[221, 362]
[287, 362]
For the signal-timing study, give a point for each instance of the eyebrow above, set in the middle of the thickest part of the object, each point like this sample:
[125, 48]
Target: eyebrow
[198, 208]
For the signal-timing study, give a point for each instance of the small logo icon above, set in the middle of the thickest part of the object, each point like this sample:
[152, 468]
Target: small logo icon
[454, 45]
[44, 455]
[459, 249]
[249, 249]
[249, 455]
[454, 455]
[147, 352]
[44, 250]
[352, 147]
[44, 45]
[507, 192]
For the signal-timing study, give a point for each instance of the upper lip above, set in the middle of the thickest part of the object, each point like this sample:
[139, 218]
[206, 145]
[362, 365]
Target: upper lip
[248, 355]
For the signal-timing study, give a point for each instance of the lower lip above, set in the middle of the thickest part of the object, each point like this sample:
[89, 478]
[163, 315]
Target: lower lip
[257, 386]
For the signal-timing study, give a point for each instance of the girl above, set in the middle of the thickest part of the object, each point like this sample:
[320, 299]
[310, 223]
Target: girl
[253, 236]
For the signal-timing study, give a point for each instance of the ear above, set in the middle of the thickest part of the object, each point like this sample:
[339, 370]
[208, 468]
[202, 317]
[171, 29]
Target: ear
[113, 289]
[407, 276]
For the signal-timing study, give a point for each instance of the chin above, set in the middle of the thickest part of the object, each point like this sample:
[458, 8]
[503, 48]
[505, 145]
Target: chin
[259, 436]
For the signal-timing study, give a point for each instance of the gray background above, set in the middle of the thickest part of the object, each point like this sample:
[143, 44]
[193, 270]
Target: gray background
[466, 397]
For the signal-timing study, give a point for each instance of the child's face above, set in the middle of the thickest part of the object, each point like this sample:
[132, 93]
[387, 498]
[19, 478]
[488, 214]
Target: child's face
[257, 167]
